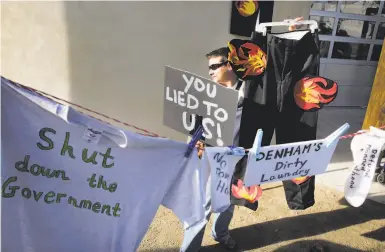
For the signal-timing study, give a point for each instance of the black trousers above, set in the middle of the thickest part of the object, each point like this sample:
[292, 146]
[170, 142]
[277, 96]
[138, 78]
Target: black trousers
[269, 103]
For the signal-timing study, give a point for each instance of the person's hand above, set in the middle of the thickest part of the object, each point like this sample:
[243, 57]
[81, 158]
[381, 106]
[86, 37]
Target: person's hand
[200, 147]
[294, 27]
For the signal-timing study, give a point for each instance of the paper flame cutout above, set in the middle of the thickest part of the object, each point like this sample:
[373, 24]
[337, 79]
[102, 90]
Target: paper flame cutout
[300, 180]
[246, 8]
[312, 93]
[246, 58]
[251, 194]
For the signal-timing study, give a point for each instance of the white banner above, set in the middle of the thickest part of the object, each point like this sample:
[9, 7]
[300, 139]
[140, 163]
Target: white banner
[289, 161]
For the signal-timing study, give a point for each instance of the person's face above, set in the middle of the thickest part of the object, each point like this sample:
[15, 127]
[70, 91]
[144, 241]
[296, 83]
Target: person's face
[219, 69]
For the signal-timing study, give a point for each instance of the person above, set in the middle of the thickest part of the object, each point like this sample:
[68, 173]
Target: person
[221, 72]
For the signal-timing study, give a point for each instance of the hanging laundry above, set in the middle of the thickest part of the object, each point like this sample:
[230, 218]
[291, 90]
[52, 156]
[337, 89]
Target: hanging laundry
[223, 187]
[271, 95]
[73, 183]
[366, 149]
[249, 193]
[242, 195]
[222, 165]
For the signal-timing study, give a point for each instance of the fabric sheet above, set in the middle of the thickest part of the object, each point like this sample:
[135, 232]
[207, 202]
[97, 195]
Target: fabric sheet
[73, 183]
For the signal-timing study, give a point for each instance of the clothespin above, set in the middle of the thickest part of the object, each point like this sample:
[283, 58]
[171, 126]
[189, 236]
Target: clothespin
[195, 138]
[257, 142]
[236, 151]
[332, 138]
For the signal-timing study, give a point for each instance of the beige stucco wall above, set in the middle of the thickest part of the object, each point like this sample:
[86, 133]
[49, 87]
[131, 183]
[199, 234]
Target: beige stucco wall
[290, 9]
[110, 57]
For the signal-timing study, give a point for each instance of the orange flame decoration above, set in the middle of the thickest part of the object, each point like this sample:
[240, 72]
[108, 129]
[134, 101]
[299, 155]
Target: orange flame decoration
[246, 8]
[311, 93]
[248, 60]
[251, 194]
[300, 180]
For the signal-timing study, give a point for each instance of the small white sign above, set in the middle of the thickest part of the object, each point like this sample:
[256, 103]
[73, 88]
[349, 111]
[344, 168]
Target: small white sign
[288, 161]
[222, 168]
[366, 149]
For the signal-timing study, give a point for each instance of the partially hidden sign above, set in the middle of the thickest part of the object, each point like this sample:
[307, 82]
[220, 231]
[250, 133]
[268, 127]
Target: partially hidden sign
[222, 168]
[366, 150]
[289, 161]
[190, 100]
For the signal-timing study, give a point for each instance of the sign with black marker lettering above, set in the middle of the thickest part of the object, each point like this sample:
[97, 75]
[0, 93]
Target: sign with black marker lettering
[366, 150]
[188, 97]
[288, 161]
[222, 167]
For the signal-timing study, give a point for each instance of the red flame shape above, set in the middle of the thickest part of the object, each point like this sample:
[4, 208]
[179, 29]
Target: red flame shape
[246, 8]
[247, 59]
[251, 194]
[300, 180]
[311, 93]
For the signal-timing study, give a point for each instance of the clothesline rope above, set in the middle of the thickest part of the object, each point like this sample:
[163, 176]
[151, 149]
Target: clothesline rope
[147, 132]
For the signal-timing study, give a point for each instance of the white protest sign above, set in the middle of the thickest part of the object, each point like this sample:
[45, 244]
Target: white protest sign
[366, 149]
[289, 161]
[190, 100]
[222, 167]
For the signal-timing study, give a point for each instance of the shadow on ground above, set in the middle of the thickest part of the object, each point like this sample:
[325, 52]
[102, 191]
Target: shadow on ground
[299, 246]
[378, 234]
[302, 226]
[308, 246]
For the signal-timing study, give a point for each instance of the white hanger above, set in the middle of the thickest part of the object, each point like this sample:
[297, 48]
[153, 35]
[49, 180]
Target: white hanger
[261, 28]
